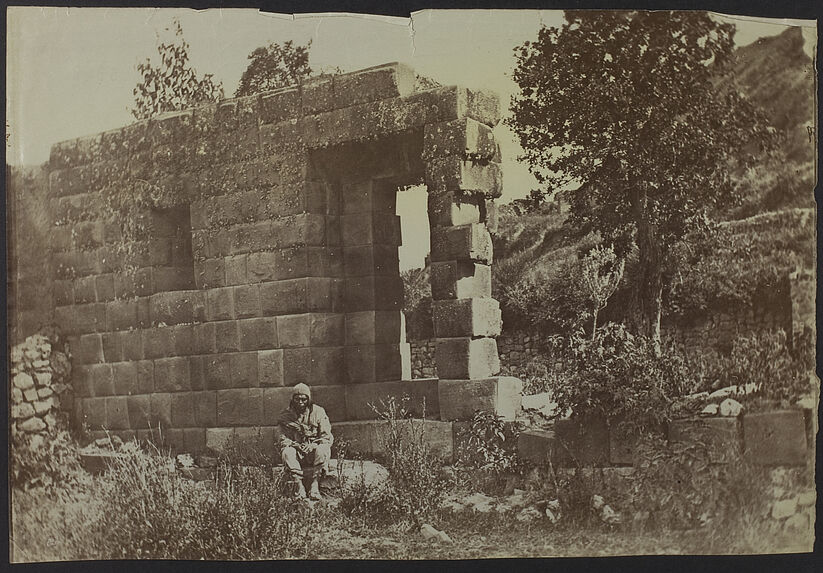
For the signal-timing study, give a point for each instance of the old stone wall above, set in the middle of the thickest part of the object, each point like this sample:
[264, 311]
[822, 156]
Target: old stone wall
[208, 259]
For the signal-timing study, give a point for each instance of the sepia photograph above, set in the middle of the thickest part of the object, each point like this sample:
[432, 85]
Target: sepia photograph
[466, 284]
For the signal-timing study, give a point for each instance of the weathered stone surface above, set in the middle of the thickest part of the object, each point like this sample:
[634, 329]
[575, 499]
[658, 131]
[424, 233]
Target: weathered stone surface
[466, 242]
[466, 317]
[332, 398]
[454, 208]
[220, 304]
[466, 358]
[536, 446]
[456, 174]
[274, 401]
[721, 435]
[584, 444]
[172, 374]
[376, 363]
[374, 327]
[460, 399]
[364, 401]
[373, 293]
[117, 413]
[368, 437]
[124, 375]
[327, 365]
[381, 82]
[371, 260]
[270, 367]
[370, 228]
[90, 349]
[239, 407]
[258, 333]
[775, 438]
[23, 381]
[32, 425]
[139, 410]
[218, 439]
[463, 138]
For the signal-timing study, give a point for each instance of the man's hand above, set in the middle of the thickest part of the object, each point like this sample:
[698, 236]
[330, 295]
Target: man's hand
[304, 448]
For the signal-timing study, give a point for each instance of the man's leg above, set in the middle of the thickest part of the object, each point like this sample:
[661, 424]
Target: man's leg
[314, 463]
[294, 470]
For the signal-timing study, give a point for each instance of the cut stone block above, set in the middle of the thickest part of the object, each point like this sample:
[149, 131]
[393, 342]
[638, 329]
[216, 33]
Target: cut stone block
[182, 410]
[274, 401]
[220, 304]
[294, 330]
[205, 408]
[247, 301]
[332, 398]
[102, 381]
[239, 407]
[327, 365]
[243, 367]
[536, 446]
[373, 293]
[157, 342]
[371, 260]
[94, 412]
[270, 367]
[312, 294]
[90, 349]
[280, 105]
[376, 363]
[369, 197]
[466, 317]
[371, 84]
[776, 438]
[374, 327]
[721, 435]
[460, 399]
[326, 329]
[456, 174]
[217, 369]
[464, 138]
[364, 401]
[226, 336]
[219, 439]
[450, 208]
[466, 358]
[172, 374]
[368, 437]
[171, 307]
[258, 333]
[160, 410]
[139, 408]
[581, 444]
[466, 242]
[296, 366]
[375, 228]
[124, 376]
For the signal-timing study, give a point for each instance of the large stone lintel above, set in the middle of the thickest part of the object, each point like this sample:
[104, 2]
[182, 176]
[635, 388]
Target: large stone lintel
[460, 399]
[464, 138]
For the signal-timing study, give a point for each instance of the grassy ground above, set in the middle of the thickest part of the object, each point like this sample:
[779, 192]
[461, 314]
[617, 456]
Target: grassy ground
[69, 523]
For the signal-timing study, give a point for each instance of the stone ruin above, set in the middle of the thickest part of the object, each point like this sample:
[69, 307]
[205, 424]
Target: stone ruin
[208, 259]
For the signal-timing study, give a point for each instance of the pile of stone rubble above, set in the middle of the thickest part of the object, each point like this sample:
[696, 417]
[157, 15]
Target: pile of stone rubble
[40, 384]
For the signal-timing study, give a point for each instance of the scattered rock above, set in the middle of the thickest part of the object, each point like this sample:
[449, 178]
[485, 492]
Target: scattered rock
[22, 411]
[729, 407]
[806, 498]
[529, 514]
[553, 505]
[710, 410]
[610, 516]
[431, 534]
[207, 461]
[552, 516]
[784, 508]
[797, 522]
[32, 425]
[185, 460]
[479, 502]
[598, 502]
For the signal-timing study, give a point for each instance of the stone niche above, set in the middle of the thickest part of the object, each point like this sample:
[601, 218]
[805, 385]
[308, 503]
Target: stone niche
[269, 257]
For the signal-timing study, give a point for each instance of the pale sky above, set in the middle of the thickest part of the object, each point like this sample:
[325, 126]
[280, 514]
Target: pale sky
[71, 71]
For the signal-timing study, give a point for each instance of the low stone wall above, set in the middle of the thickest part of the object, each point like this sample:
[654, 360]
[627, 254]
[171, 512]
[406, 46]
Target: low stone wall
[41, 391]
[778, 438]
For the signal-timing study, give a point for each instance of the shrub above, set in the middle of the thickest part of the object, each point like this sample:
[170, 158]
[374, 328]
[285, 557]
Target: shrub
[417, 481]
[677, 486]
[489, 443]
[150, 511]
[778, 373]
[43, 459]
[618, 376]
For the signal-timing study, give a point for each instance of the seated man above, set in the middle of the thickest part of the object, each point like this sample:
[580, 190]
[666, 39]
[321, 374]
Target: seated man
[304, 437]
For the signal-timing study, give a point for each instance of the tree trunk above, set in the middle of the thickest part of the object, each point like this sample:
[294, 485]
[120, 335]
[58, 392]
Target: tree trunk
[651, 271]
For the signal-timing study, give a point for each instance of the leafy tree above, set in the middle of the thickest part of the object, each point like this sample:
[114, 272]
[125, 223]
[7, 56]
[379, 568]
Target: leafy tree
[625, 105]
[274, 66]
[174, 84]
